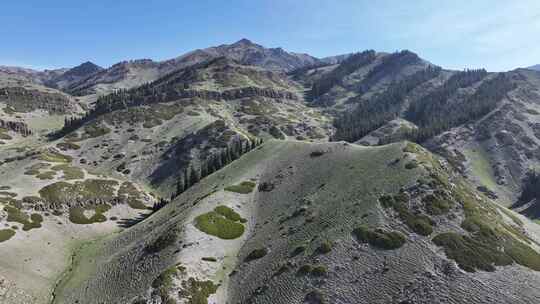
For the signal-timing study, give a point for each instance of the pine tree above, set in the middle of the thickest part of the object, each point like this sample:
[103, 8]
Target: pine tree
[195, 175]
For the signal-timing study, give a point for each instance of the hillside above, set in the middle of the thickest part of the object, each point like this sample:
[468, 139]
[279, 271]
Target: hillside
[307, 209]
[484, 123]
[245, 174]
[29, 75]
[28, 109]
[73, 75]
[186, 118]
[499, 149]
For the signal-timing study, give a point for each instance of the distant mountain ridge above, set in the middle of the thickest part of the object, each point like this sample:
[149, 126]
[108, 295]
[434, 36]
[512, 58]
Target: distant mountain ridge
[535, 67]
[247, 52]
[73, 75]
[128, 74]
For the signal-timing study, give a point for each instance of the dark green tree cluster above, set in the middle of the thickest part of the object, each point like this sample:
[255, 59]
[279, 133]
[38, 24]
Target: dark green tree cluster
[421, 111]
[389, 65]
[297, 73]
[16, 126]
[373, 113]
[118, 100]
[530, 190]
[159, 204]
[193, 174]
[435, 113]
[335, 77]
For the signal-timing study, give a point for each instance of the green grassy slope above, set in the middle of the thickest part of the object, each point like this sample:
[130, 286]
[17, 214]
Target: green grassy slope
[299, 241]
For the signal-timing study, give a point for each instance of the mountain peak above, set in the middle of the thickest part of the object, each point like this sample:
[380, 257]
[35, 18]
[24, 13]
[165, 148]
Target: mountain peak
[84, 69]
[89, 64]
[244, 41]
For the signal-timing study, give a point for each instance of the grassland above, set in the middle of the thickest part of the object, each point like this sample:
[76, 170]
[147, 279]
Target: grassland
[90, 189]
[481, 167]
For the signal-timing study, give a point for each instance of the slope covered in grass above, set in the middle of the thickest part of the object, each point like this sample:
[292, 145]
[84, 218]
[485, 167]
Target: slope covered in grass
[300, 202]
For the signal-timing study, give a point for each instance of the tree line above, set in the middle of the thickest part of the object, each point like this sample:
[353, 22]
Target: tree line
[335, 77]
[421, 111]
[390, 64]
[16, 126]
[148, 93]
[530, 188]
[433, 113]
[437, 112]
[530, 191]
[375, 112]
[193, 173]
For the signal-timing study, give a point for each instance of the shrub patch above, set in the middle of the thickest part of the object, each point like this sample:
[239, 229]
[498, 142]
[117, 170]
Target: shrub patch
[77, 216]
[387, 240]
[256, 254]
[242, 188]
[29, 222]
[6, 234]
[419, 223]
[219, 225]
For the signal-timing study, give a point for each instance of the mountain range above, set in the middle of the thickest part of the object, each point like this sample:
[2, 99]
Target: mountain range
[245, 174]
[535, 67]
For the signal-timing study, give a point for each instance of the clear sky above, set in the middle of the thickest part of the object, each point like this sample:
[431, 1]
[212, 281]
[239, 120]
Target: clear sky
[496, 34]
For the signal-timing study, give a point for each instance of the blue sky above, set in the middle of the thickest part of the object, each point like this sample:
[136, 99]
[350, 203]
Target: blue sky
[495, 34]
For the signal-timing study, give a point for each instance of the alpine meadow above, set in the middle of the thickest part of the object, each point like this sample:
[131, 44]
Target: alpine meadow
[242, 173]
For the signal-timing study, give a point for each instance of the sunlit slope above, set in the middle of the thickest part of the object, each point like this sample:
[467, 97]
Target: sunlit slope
[294, 222]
